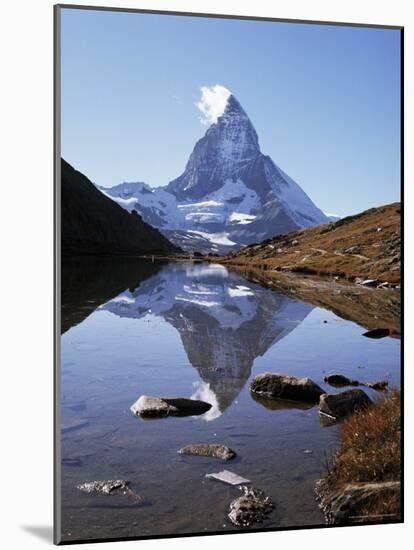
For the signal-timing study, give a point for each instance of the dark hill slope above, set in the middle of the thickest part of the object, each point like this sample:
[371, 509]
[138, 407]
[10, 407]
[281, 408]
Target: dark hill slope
[94, 224]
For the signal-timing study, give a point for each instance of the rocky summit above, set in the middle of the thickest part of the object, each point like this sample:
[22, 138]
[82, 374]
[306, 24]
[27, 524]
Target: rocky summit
[229, 195]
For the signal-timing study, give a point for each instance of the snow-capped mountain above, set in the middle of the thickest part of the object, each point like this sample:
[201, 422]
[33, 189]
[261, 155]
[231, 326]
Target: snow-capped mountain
[230, 194]
[224, 322]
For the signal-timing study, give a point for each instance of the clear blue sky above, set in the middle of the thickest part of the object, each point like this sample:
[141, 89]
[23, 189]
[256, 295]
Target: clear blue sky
[325, 100]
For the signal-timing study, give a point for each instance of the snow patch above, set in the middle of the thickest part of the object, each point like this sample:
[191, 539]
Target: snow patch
[217, 238]
[241, 218]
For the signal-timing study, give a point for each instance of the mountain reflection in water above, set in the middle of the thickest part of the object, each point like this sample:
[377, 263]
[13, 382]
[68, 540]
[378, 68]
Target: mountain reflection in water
[224, 322]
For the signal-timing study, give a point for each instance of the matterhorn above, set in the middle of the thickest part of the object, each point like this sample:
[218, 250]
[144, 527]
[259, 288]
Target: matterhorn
[229, 195]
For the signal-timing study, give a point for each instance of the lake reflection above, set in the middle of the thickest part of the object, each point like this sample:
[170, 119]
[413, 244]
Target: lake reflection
[196, 330]
[224, 322]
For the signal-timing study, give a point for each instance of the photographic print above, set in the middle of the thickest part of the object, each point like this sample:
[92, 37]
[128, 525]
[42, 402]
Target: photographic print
[228, 274]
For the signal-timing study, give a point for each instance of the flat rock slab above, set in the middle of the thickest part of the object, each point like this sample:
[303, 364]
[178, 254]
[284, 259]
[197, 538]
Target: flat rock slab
[228, 477]
[339, 380]
[283, 386]
[252, 507]
[210, 450]
[158, 407]
[342, 404]
[109, 487]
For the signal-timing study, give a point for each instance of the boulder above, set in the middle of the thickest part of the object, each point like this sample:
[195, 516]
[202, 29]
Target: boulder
[159, 407]
[350, 503]
[252, 507]
[340, 380]
[210, 450]
[283, 386]
[342, 404]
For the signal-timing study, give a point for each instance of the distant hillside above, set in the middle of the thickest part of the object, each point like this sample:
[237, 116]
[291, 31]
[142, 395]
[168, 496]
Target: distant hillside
[366, 246]
[94, 224]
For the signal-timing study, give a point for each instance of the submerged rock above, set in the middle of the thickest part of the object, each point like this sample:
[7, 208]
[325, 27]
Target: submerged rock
[252, 507]
[206, 449]
[340, 380]
[159, 407]
[350, 503]
[283, 386]
[377, 333]
[108, 488]
[342, 404]
[228, 477]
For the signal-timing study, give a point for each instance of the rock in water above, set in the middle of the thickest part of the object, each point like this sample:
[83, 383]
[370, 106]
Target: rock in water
[340, 380]
[349, 504]
[252, 507]
[103, 487]
[206, 449]
[380, 385]
[284, 386]
[108, 488]
[340, 405]
[377, 333]
[159, 407]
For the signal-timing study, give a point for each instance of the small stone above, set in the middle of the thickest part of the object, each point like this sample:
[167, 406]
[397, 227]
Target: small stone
[377, 333]
[210, 450]
[109, 487]
[103, 487]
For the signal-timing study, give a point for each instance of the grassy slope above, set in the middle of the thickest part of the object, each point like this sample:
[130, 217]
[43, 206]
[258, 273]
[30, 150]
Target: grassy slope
[366, 245]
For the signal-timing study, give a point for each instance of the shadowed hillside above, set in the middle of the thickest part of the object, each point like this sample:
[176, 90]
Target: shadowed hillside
[94, 224]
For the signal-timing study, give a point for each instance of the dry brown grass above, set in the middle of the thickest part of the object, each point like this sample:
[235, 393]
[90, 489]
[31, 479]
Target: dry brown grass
[370, 451]
[370, 444]
[366, 245]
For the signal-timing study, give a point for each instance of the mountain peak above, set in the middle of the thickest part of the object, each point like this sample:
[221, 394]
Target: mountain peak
[228, 144]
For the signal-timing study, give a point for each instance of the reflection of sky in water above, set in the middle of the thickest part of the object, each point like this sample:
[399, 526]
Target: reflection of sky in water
[149, 341]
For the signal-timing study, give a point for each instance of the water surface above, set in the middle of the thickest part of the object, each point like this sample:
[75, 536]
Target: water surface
[193, 330]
